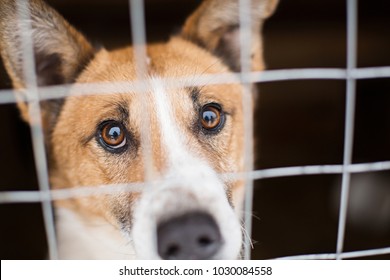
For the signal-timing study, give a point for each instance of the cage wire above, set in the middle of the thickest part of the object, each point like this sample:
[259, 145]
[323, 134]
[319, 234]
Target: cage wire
[36, 122]
[33, 94]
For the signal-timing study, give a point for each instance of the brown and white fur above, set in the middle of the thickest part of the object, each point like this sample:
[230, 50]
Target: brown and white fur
[187, 158]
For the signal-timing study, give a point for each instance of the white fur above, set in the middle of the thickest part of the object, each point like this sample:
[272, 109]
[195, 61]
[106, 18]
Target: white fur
[79, 238]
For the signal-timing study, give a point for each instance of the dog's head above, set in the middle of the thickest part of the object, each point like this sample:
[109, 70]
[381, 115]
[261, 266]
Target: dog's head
[184, 136]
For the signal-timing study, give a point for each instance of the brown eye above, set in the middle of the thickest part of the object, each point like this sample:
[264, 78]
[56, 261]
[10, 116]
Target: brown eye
[211, 117]
[112, 135]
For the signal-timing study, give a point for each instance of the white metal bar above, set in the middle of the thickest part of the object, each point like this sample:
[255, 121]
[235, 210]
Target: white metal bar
[52, 92]
[370, 72]
[245, 23]
[38, 196]
[62, 194]
[319, 170]
[36, 121]
[366, 253]
[309, 257]
[345, 255]
[349, 121]
[137, 16]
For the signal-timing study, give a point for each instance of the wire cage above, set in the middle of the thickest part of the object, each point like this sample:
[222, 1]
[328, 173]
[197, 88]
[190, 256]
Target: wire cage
[304, 200]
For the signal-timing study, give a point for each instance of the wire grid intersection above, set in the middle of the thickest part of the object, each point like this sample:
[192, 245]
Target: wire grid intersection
[246, 77]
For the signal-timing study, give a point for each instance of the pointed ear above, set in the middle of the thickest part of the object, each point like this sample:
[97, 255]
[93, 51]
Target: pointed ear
[215, 26]
[60, 51]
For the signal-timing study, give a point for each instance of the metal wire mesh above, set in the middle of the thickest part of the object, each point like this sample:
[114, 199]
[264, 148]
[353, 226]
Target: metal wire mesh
[32, 94]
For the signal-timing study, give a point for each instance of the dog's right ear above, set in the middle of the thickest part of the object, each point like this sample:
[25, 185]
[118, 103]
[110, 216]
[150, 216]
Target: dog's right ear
[215, 27]
[60, 51]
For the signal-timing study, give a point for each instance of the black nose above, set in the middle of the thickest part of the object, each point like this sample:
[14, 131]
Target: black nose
[193, 236]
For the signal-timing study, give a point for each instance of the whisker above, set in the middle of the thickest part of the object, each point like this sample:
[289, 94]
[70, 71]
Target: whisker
[246, 234]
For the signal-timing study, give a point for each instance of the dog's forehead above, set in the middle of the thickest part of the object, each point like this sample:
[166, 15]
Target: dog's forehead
[176, 59]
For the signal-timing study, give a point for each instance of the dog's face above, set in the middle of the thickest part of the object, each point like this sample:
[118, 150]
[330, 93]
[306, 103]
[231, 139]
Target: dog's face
[195, 133]
[183, 136]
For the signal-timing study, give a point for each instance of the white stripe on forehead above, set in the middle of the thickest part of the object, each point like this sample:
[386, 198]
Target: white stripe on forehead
[190, 185]
[171, 137]
[181, 163]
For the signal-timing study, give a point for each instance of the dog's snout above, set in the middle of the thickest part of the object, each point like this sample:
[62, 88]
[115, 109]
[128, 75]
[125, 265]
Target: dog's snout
[189, 237]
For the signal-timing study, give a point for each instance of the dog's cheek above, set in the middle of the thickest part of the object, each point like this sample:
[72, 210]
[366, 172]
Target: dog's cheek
[225, 152]
[122, 209]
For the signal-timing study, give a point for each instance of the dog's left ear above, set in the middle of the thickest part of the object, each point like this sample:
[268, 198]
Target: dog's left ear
[215, 26]
[60, 51]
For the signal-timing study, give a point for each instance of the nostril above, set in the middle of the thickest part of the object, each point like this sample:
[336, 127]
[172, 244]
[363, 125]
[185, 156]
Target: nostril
[204, 241]
[172, 250]
[191, 236]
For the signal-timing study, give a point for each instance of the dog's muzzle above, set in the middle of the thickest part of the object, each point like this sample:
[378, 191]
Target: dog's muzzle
[181, 218]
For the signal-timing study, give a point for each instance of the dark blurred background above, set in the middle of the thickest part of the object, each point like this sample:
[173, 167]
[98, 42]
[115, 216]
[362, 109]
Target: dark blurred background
[297, 123]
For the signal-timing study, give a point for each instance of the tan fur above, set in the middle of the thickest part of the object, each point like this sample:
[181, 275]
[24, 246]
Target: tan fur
[213, 29]
[169, 60]
[78, 159]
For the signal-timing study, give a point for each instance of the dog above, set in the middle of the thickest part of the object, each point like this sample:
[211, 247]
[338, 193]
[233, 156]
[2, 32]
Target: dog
[185, 210]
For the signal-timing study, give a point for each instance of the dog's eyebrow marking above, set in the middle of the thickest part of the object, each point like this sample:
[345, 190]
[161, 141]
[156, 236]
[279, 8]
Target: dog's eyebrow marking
[121, 110]
[194, 92]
